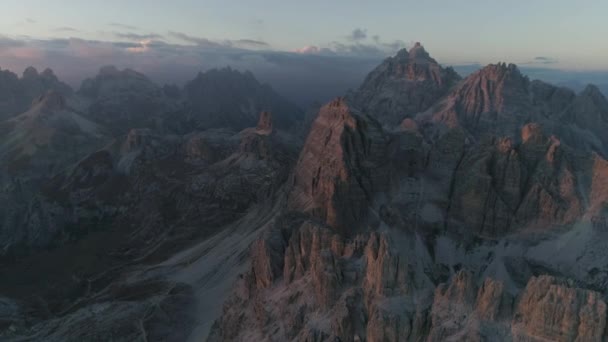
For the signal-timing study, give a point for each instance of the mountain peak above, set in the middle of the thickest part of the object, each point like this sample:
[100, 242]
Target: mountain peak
[500, 73]
[592, 91]
[30, 72]
[501, 69]
[403, 86]
[419, 54]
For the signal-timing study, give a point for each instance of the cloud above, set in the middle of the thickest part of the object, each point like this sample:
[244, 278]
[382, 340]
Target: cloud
[193, 40]
[7, 43]
[30, 21]
[540, 61]
[65, 29]
[137, 37]
[394, 45]
[224, 44]
[308, 50]
[545, 60]
[123, 26]
[252, 43]
[357, 35]
[320, 73]
[356, 45]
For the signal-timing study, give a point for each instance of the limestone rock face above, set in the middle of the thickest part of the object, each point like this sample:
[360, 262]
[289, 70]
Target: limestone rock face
[501, 186]
[499, 100]
[404, 85]
[386, 273]
[265, 122]
[266, 259]
[552, 309]
[339, 167]
[493, 302]
[496, 94]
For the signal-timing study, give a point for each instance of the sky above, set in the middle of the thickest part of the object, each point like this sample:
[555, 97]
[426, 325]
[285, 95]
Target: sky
[170, 39]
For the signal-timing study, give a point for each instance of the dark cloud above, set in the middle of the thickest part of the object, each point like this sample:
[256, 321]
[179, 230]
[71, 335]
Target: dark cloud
[225, 44]
[357, 35]
[123, 26]
[30, 21]
[540, 61]
[138, 37]
[251, 42]
[545, 60]
[65, 29]
[6, 43]
[194, 40]
[125, 45]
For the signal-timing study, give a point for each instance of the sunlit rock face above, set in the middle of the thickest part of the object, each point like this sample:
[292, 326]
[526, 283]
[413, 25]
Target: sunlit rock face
[340, 166]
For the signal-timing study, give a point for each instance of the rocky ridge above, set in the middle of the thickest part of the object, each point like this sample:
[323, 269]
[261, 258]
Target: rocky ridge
[422, 207]
[452, 240]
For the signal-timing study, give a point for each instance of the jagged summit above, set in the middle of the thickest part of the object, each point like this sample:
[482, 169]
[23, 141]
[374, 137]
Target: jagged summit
[30, 72]
[496, 93]
[419, 55]
[500, 69]
[403, 85]
[18, 93]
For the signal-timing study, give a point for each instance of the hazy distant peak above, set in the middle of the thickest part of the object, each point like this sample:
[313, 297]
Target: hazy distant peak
[30, 72]
[592, 90]
[49, 74]
[108, 70]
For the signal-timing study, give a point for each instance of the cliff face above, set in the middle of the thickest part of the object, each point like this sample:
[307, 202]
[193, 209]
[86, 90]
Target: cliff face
[374, 288]
[340, 167]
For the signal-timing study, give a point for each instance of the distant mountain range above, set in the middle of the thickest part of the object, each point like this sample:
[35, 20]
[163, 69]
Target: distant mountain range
[424, 204]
